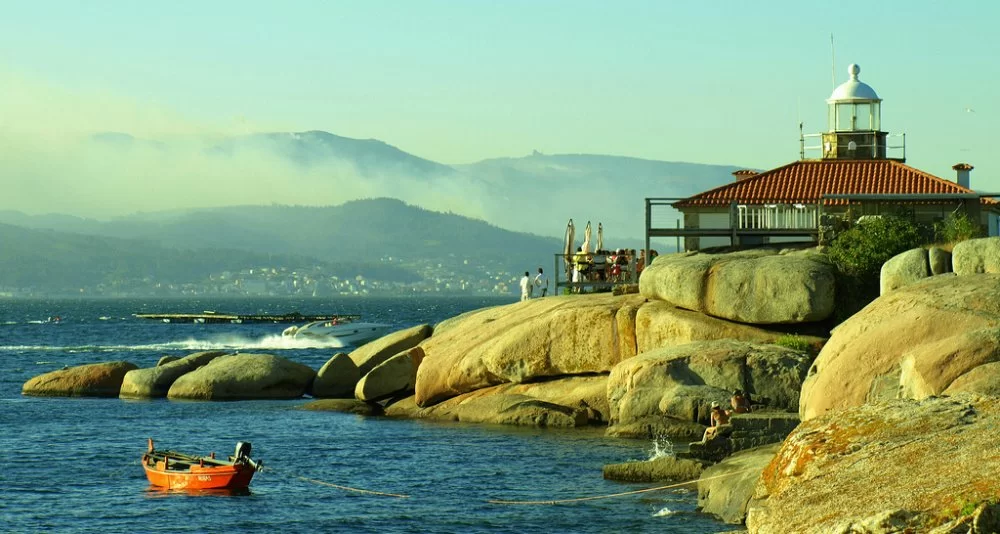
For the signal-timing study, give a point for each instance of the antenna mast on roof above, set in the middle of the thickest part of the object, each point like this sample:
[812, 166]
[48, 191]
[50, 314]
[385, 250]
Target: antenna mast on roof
[833, 64]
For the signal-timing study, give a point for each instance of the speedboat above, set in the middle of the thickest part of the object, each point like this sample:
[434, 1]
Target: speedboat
[345, 332]
[176, 470]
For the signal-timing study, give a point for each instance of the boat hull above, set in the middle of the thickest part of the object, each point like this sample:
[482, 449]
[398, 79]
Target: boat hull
[207, 477]
[350, 333]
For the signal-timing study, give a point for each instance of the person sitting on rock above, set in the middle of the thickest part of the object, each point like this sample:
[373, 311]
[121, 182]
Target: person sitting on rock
[719, 417]
[740, 402]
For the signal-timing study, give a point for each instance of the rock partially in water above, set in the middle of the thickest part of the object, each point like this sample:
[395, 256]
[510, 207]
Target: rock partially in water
[164, 360]
[155, 382]
[93, 380]
[367, 356]
[394, 377]
[725, 488]
[666, 469]
[337, 378]
[344, 405]
[565, 402]
[244, 376]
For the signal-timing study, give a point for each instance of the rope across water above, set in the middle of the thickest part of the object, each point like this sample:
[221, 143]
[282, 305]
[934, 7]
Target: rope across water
[608, 496]
[337, 486]
[508, 502]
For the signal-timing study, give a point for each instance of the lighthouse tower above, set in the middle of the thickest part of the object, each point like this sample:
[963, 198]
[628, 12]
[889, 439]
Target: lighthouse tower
[854, 122]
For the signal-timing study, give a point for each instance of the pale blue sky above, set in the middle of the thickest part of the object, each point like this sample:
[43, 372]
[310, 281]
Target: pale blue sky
[711, 82]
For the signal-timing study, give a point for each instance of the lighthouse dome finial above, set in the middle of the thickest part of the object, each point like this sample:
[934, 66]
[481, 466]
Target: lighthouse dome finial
[854, 90]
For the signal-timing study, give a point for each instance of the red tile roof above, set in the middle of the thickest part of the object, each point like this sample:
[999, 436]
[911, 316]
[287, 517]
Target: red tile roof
[806, 182]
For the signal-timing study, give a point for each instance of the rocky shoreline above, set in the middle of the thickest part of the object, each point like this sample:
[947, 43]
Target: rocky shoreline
[897, 389]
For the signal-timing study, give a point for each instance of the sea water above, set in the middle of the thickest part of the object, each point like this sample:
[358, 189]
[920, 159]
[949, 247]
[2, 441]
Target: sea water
[72, 464]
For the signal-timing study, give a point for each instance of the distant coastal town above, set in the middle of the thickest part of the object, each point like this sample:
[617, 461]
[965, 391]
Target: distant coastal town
[454, 276]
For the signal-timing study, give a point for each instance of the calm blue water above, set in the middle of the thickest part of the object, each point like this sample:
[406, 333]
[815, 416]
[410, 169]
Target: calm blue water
[72, 465]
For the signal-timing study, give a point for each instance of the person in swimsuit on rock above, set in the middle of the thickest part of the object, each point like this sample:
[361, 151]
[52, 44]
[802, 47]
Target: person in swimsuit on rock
[719, 417]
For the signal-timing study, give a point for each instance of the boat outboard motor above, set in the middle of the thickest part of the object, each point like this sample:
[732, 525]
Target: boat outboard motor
[242, 450]
[242, 455]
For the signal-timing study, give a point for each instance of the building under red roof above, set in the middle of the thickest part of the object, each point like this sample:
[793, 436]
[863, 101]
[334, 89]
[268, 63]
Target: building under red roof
[807, 182]
[853, 176]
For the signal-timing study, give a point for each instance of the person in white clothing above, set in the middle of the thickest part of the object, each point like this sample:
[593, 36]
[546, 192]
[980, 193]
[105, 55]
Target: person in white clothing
[542, 282]
[526, 287]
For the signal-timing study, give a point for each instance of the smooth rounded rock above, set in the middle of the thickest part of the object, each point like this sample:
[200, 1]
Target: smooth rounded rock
[976, 256]
[155, 382]
[724, 489]
[393, 377]
[93, 380]
[244, 376]
[902, 269]
[529, 341]
[337, 378]
[367, 356]
[759, 286]
[914, 341]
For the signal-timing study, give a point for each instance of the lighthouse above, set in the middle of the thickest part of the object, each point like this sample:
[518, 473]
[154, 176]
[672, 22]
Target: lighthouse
[854, 122]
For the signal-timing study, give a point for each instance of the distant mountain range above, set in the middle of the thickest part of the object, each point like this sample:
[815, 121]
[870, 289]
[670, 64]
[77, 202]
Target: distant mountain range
[381, 239]
[513, 210]
[537, 193]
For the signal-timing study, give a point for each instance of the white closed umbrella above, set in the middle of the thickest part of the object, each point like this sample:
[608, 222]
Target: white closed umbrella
[600, 237]
[586, 239]
[568, 249]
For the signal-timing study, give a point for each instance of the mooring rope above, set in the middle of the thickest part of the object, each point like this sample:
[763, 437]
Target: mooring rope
[634, 492]
[270, 469]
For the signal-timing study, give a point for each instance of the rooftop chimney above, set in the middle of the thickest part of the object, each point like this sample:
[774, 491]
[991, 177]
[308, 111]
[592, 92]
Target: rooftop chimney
[743, 174]
[962, 174]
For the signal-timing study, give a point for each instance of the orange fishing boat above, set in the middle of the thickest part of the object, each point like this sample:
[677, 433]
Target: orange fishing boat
[175, 470]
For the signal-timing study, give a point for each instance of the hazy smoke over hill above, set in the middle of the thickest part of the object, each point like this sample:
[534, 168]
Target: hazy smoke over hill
[56, 156]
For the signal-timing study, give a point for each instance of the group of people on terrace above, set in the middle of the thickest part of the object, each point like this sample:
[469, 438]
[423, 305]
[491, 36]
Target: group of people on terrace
[617, 266]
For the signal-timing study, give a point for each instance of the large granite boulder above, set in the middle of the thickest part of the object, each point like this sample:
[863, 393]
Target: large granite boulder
[93, 380]
[679, 383]
[528, 341]
[522, 410]
[337, 378]
[244, 376]
[759, 286]
[915, 341]
[724, 489]
[367, 356]
[904, 268]
[567, 401]
[155, 382]
[660, 324]
[895, 466]
[975, 256]
[394, 377]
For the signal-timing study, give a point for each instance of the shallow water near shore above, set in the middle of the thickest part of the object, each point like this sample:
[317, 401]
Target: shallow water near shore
[72, 465]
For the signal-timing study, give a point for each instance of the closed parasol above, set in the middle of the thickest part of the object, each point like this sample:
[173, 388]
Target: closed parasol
[586, 239]
[600, 237]
[568, 249]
